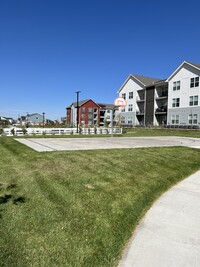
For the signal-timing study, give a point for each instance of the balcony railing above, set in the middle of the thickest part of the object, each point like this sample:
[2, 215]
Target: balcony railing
[139, 112]
[162, 95]
[162, 109]
[140, 100]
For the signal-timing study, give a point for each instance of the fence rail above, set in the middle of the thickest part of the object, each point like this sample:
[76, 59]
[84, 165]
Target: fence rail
[59, 131]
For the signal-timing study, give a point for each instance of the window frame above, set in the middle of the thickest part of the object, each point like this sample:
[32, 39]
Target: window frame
[192, 119]
[130, 107]
[130, 96]
[175, 119]
[176, 102]
[124, 96]
[176, 85]
[193, 100]
[194, 82]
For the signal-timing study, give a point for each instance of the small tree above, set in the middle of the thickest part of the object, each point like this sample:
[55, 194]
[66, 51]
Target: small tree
[118, 120]
[24, 131]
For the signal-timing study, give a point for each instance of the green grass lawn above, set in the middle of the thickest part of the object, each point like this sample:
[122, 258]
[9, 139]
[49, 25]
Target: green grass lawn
[137, 131]
[80, 208]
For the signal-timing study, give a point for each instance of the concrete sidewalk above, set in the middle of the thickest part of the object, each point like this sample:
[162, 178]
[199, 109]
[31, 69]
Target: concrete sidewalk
[169, 234]
[57, 144]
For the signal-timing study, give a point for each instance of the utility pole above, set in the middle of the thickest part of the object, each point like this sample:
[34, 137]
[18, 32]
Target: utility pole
[77, 109]
[43, 119]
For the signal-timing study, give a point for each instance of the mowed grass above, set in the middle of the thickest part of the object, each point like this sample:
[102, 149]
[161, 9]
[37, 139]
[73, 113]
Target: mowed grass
[80, 208]
[139, 131]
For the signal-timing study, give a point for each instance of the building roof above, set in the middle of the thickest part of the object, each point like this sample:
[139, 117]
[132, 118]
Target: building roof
[81, 102]
[145, 80]
[106, 106]
[33, 114]
[197, 66]
[194, 64]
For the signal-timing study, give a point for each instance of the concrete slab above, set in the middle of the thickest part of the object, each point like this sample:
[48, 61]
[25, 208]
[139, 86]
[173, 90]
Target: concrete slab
[169, 234]
[55, 144]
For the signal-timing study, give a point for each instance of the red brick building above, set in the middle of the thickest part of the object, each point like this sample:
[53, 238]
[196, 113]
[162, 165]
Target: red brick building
[90, 113]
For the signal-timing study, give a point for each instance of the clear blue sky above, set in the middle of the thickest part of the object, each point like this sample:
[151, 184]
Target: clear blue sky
[51, 48]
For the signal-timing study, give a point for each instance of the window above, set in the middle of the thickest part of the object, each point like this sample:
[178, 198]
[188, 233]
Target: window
[82, 116]
[194, 82]
[108, 111]
[130, 95]
[122, 109]
[89, 116]
[193, 100]
[89, 109]
[175, 102]
[175, 119]
[83, 109]
[130, 120]
[124, 96]
[130, 107]
[192, 118]
[122, 120]
[176, 86]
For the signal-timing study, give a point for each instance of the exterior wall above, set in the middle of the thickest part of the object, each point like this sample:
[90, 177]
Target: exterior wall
[137, 89]
[87, 117]
[184, 75]
[183, 115]
[35, 119]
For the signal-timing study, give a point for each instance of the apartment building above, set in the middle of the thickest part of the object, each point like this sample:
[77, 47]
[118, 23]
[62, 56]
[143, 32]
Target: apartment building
[90, 113]
[173, 101]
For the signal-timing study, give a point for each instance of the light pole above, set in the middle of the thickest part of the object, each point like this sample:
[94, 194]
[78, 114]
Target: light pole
[43, 119]
[77, 108]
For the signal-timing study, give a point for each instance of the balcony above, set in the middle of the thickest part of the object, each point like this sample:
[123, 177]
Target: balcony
[140, 100]
[139, 112]
[161, 110]
[162, 95]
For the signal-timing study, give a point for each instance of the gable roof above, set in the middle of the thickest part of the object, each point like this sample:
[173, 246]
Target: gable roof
[197, 66]
[193, 64]
[33, 114]
[143, 80]
[82, 102]
[106, 106]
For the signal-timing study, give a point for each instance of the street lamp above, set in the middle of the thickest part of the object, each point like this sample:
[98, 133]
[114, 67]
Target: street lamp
[43, 119]
[77, 106]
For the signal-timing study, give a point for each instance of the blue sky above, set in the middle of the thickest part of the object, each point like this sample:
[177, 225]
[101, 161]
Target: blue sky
[49, 49]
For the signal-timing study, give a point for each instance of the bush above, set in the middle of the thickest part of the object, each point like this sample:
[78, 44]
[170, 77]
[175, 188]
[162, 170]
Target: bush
[24, 131]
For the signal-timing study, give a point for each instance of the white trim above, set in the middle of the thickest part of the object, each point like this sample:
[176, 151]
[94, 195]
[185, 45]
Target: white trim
[177, 70]
[130, 76]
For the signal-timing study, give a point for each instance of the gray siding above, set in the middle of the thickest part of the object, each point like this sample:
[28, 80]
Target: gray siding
[35, 119]
[183, 114]
[126, 115]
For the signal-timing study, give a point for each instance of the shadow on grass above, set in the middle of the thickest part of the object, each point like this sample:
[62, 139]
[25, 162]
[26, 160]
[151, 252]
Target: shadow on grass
[19, 200]
[4, 199]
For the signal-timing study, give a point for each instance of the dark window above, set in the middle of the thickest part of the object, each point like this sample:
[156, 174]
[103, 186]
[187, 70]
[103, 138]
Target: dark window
[175, 102]
[194, 82]
[124, 96]
[130, 95]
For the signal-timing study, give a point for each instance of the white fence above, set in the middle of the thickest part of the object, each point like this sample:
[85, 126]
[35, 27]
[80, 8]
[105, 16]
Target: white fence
[59, 131]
